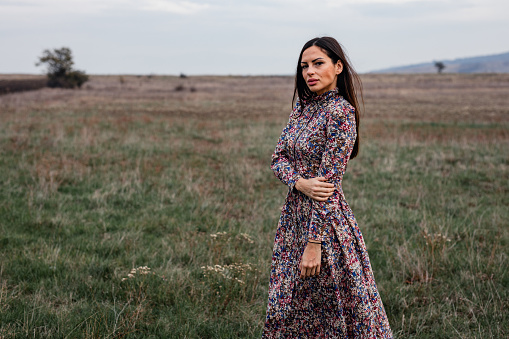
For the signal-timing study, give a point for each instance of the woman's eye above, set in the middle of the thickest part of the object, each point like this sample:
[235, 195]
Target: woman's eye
[319, 63]
[304, 66]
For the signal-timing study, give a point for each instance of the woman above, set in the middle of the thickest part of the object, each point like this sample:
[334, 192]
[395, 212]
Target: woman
[321, 283]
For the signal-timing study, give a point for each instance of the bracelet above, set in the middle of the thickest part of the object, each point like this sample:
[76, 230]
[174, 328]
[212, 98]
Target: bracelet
[315, 242]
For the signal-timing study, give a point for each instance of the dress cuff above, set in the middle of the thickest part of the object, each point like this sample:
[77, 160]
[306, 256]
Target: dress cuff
[293, 181]
[314, 232]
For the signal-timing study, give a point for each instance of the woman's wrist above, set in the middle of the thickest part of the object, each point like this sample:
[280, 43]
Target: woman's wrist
[298, 183]
[318, 242]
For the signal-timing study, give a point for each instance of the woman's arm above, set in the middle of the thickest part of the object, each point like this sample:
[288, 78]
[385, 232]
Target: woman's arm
[281, 164]
[341, 135]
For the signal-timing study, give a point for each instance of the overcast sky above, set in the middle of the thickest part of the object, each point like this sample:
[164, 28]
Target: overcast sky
[244, 36]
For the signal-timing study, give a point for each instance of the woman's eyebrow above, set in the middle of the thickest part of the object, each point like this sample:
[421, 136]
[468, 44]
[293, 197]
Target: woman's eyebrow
[304, 62]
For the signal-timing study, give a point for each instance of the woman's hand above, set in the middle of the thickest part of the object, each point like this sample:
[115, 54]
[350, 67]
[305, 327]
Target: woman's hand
[311, 260]
[315, 188]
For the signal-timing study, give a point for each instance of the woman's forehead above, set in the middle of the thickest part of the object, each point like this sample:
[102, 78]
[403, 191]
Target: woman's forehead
[312, 53]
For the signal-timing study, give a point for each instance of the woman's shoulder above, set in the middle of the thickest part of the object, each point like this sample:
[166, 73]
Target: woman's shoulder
[340, 107]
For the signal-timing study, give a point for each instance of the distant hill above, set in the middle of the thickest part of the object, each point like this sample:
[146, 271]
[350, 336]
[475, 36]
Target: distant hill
[497, 63]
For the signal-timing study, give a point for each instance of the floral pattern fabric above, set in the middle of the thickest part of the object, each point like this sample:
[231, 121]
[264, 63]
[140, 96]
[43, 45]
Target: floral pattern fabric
[343, 300]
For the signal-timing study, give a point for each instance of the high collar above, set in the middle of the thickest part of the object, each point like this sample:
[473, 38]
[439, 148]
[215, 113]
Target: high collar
[324, 96]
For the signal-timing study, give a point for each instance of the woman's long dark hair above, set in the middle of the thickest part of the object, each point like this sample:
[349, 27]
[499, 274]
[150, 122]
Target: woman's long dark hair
[348, 83]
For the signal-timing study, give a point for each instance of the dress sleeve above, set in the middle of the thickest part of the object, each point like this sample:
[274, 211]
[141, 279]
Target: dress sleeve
[341, 135]
[281, 164]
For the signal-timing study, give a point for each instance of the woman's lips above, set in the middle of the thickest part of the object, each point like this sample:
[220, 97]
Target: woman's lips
[312, 82]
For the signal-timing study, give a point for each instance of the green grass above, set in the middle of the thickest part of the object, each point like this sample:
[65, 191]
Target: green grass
[87, 194]
[435, 222]
[78, 214]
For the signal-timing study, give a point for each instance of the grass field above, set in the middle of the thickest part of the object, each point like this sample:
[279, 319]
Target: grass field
[144, 207]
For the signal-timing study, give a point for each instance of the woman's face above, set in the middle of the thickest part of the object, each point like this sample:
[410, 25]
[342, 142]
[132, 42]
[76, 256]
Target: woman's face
[318, 70]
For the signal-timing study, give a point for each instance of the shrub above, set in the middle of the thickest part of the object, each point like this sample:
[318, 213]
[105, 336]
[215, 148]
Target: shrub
[19, 85]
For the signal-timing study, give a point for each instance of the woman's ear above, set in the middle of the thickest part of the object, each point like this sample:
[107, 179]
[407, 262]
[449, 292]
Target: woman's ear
[339, 67]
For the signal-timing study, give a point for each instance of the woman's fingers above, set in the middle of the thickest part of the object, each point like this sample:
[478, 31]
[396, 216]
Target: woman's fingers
[326, 185]
[312, 271]
[323, 182]
[321, 197]
[322, 194]
[309, 269]
[303, 271]
[327, 191]
[309, 272]
[324, 188]
[321, 190]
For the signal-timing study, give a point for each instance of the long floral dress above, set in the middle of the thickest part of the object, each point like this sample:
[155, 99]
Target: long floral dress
[343, 300]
